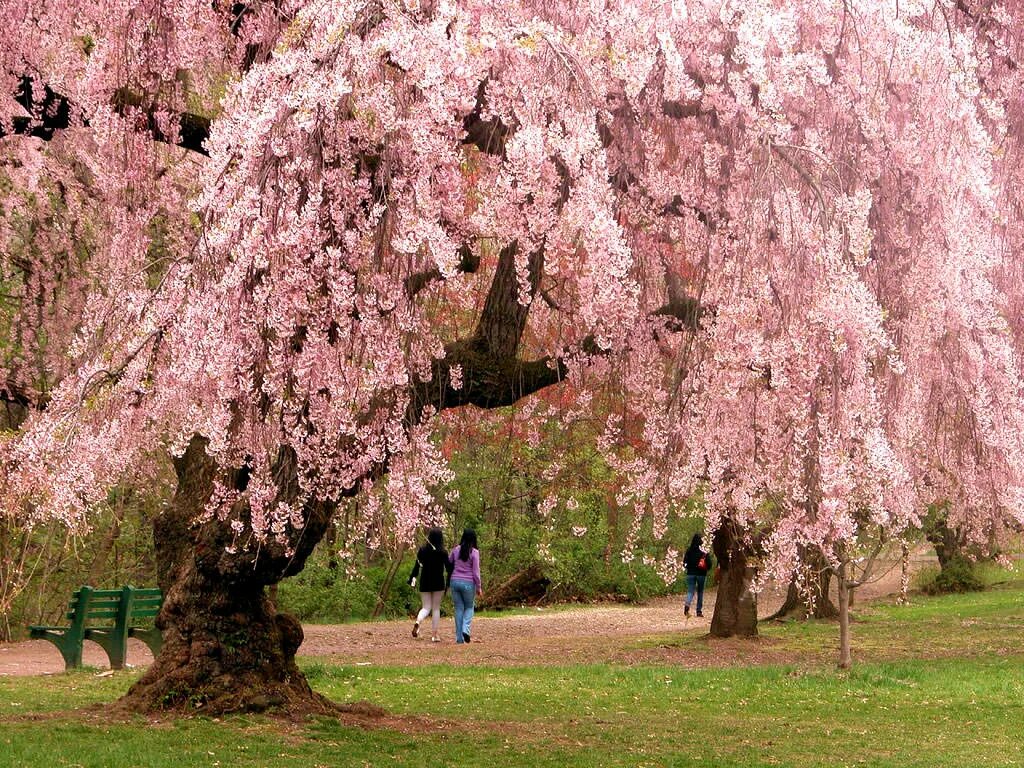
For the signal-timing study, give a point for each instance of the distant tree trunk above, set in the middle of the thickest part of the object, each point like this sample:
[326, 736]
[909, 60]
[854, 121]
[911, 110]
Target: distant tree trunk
[945, 540]
[225, 645]
[845, 658]
[904, 572]
[817, 603]
[14, 541]
[950, 544]
[735, 604]
[611, 543]
[331, 542]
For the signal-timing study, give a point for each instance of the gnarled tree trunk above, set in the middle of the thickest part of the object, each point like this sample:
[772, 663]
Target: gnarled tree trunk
[736, 604]
[225, 645]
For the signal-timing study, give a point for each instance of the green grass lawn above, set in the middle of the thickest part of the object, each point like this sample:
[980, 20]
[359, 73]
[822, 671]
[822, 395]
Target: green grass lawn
[941, 684]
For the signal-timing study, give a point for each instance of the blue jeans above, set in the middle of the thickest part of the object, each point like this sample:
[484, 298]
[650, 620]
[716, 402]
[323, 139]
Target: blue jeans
[464, 596]
[695, 583]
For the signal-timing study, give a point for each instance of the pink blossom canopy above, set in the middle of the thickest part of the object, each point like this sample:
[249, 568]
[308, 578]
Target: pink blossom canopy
[783, 230]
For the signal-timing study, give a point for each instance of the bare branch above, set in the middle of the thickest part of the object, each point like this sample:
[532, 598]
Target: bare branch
[105, 375]
[787, 157]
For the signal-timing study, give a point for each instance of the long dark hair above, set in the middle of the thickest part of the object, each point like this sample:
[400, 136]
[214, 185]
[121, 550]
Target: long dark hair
[468, 544]
[696, 541]
[436, 538]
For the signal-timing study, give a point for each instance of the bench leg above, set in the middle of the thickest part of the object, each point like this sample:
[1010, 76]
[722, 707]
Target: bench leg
[111, 641]
[70, 650]
[73, 656]
[151, 637]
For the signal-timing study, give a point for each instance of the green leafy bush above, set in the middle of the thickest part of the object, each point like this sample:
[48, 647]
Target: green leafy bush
[959, 575]
[322, 593]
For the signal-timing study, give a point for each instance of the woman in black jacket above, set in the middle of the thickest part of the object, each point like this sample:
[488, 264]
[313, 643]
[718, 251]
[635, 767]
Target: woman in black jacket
[697, 562]
[433, 569]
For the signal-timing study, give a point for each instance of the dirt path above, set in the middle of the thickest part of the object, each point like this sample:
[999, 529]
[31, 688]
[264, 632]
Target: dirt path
[559, 635]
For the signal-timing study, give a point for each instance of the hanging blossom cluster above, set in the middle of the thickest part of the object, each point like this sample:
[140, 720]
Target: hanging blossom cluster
[42, 285]
[779, 230]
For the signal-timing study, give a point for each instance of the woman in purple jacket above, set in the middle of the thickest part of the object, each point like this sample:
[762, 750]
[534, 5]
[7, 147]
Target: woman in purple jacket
[465, 583]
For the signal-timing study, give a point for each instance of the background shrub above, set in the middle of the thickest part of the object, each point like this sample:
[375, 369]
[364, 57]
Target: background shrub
[959, 575]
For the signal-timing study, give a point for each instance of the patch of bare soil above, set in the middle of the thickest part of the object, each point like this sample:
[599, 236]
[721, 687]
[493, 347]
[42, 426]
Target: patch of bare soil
[559, 635]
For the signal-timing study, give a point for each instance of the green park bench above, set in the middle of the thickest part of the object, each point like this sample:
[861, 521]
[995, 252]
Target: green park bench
[108, 617]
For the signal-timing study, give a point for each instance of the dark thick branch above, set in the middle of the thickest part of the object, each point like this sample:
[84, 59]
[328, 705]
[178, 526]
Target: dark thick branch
[493, 381]
[193, 130]
[487, 381]
[680, 109]
[14, 394]
[684, 313]
[503, 318]
[53, 112]
[486, 135]
[492, 373]
[16, 404]
[677, 208]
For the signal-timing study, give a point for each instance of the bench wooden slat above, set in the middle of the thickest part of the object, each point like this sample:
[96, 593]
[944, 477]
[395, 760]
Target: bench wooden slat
[97, 606]
[96, 597]
[99, 595]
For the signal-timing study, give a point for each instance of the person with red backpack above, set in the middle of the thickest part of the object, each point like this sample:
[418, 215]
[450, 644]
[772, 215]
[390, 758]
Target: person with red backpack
[697, 563]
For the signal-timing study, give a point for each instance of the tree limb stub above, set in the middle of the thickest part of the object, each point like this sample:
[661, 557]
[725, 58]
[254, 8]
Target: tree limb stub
[488, 136]
[469, 263]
